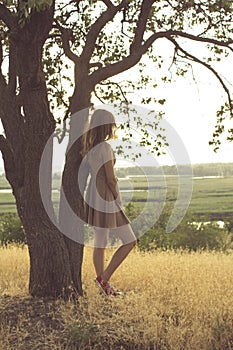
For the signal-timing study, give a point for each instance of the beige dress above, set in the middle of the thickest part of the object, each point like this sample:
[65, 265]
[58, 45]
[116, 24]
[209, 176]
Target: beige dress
[101, 210]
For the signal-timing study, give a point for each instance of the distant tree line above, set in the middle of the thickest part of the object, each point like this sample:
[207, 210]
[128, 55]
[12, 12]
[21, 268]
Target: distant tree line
[206, 169]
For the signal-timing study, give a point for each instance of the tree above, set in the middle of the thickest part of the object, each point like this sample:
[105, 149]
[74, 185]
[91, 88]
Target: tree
[102, 39]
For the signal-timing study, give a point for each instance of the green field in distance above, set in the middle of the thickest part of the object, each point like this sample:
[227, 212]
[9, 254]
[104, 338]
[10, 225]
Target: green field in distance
[210, 196]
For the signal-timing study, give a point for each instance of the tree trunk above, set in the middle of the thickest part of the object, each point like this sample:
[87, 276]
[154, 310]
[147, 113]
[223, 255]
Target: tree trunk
[72, 192]
[50, 272]
[49, 259]
[55, 253]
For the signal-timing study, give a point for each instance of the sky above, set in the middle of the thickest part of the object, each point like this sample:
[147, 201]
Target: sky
[192, 113]
[190, 109]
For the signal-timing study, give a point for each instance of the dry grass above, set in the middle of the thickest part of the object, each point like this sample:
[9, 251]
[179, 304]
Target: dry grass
[172, 301]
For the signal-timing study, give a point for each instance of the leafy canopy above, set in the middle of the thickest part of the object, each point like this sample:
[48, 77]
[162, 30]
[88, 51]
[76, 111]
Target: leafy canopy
[113, 36]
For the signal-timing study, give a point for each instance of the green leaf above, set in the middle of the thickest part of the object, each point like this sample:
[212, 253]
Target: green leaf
[162, 101]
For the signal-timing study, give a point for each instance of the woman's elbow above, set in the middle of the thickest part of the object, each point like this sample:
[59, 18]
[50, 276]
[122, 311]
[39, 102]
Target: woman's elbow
[111, 182]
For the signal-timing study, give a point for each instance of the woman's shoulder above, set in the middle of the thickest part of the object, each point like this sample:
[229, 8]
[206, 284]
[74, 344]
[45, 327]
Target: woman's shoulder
[102, 146]
[107, 148]
[100, 150]
[106, 145]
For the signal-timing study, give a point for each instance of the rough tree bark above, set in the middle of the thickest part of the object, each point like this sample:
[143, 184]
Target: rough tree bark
[28, 124]
[45, 242]
[71, 189]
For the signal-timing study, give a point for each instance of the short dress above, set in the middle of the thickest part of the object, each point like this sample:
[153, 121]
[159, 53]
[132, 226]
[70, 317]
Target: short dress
[101, 210]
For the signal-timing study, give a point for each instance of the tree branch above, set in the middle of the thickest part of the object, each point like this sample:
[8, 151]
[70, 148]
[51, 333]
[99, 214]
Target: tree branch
[126, 63]
[3, 83]
[114, 68]
[95, 29]
[137, 50]
[141, 24]
[12, 68]
[61, 137]
[95, 64]
[6, 153]
[7, 17]
[108, 3]
[1, 52]
[97, 96]
[8, 158]
[167, 34]
[67, 36]
[2, 79]
[119, 87]
[202, 39]
[195, 59]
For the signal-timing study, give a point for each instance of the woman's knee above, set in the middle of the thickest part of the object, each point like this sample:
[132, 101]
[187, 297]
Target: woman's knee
[100, 242]
[131, 244]
[100, 238]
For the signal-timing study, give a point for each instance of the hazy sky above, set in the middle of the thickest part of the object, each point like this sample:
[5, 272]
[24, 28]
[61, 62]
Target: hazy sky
[191, 107]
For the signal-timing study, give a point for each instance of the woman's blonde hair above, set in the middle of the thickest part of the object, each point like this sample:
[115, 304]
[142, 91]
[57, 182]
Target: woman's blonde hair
[102, 127]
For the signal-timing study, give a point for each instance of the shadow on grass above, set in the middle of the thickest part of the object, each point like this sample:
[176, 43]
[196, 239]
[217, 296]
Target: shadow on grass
[39, 324]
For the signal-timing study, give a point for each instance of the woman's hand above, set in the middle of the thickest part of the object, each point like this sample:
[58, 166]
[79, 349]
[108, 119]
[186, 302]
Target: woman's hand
[118, 200]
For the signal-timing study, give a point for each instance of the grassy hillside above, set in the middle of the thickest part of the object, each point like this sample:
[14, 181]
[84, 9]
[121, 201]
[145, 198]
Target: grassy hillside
[172, 301]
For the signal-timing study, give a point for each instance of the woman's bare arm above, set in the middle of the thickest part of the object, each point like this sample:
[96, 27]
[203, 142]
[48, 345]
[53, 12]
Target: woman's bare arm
[111, 178]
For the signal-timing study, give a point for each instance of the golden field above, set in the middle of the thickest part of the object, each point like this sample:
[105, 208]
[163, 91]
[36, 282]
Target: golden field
[172, 300]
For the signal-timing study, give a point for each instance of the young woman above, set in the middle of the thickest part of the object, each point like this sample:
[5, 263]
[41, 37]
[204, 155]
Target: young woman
[103, 207]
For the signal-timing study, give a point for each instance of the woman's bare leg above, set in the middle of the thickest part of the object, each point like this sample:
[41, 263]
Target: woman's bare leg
[117, 259]
[98, 260]
[100, 242]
